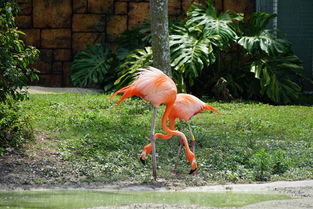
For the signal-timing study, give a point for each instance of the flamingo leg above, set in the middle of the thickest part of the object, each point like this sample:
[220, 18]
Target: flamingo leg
[193, 140]
[179, 148]
[152, 140]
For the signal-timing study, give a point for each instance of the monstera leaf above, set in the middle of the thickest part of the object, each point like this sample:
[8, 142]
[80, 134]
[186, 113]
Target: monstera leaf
[279, 77]
[190, 53]
[92, 66]
[257, 39]
[206, 19]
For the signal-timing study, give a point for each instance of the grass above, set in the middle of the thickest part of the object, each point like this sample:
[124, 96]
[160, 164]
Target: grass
[104, 143]
[87, 199]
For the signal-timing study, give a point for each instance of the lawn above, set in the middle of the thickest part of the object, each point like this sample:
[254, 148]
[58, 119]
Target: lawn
[249, 141]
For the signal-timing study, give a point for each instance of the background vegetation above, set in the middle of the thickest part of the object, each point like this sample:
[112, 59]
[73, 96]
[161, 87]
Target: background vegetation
[222, 55]
[15, 72]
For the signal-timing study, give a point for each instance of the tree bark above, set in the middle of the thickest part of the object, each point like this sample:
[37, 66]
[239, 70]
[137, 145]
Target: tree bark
[160, 35]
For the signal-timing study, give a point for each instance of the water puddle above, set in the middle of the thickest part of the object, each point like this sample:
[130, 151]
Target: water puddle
[60, 199]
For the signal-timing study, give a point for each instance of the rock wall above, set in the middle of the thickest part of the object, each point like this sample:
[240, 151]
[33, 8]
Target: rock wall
[61, 28]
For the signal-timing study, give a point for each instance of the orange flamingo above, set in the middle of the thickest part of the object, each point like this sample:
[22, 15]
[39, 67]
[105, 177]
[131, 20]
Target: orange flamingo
[154, 86]
[184, 108]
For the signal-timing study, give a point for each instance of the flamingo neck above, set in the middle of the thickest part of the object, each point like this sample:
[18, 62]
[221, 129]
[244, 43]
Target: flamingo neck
[171, 132]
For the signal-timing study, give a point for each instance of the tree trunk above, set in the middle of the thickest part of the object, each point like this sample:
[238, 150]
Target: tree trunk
[160, 35]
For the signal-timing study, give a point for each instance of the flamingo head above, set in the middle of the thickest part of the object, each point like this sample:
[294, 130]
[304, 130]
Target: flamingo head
[143, 157]
[192, 159]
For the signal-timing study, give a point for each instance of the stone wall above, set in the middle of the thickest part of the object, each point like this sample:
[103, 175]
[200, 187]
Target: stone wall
[61, 28]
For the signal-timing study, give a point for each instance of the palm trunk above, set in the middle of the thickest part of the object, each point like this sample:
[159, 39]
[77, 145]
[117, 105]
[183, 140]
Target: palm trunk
[160, 35]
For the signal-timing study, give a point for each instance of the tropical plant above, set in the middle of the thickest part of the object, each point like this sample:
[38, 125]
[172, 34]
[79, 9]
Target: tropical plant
[191, 51]
[136, 38]
[93, 66]
[207, 20]
[16, 59]
[229, 57]
[128, 70]
[271, 60]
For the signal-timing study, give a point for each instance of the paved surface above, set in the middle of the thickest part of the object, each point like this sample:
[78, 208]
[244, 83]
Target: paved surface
[59, 90]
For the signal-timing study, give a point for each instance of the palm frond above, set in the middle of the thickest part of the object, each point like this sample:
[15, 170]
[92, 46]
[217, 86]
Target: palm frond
[138, 59]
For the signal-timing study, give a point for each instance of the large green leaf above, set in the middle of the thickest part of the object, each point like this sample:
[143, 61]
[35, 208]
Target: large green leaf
[206, 19]
[279, 77]
[91, 66]
[265, 42]
[257, 39]
[190, 53]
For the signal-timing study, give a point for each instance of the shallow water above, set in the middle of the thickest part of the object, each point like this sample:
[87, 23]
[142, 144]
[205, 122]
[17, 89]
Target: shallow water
[58, 199]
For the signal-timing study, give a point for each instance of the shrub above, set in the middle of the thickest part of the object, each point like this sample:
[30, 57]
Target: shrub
[280, 162]
[15, 127]
[261, 162]
[15, 59]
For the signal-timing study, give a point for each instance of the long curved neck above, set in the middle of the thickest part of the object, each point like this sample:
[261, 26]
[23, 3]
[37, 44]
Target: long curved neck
[171, 132]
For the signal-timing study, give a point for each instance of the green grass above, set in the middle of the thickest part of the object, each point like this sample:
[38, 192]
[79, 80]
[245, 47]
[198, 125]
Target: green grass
[104, 144]
[83, 199]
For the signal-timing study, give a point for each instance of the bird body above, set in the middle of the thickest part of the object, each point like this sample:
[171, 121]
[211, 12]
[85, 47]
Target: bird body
[151, 85]
[187, 105]
[184, 108]
[154, 86]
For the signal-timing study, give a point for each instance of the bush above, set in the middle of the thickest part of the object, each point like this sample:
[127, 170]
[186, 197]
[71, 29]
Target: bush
[15, 127]
[261, 163]
[280, 162]
[15, 59]
[15, 72]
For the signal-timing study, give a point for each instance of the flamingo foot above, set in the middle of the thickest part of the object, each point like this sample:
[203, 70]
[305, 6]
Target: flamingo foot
[143, 161]
[192, 171]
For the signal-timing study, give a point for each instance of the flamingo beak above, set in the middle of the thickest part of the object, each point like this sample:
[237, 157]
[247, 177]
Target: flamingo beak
[193, 166]
[142, 160]
[143, 157]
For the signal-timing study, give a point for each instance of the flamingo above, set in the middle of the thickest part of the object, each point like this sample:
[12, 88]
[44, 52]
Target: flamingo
[154, 86]
[185, 107]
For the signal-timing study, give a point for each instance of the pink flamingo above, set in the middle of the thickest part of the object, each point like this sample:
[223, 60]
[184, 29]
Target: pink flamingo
[185, 107]
[154, 86]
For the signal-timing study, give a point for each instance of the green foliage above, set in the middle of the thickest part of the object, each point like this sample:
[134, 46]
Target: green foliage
[280, 162]
[130, 40]
[206, 20]
[272, 60]
[191, 51]
[278, 77]
[15, 58]
[93, 66]
[104, 144]
[128, 69]
[261, 162]
[15, 127]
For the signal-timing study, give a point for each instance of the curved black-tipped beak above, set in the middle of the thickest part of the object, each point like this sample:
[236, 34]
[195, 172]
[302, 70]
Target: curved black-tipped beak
[192, 171]
[143, 161]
